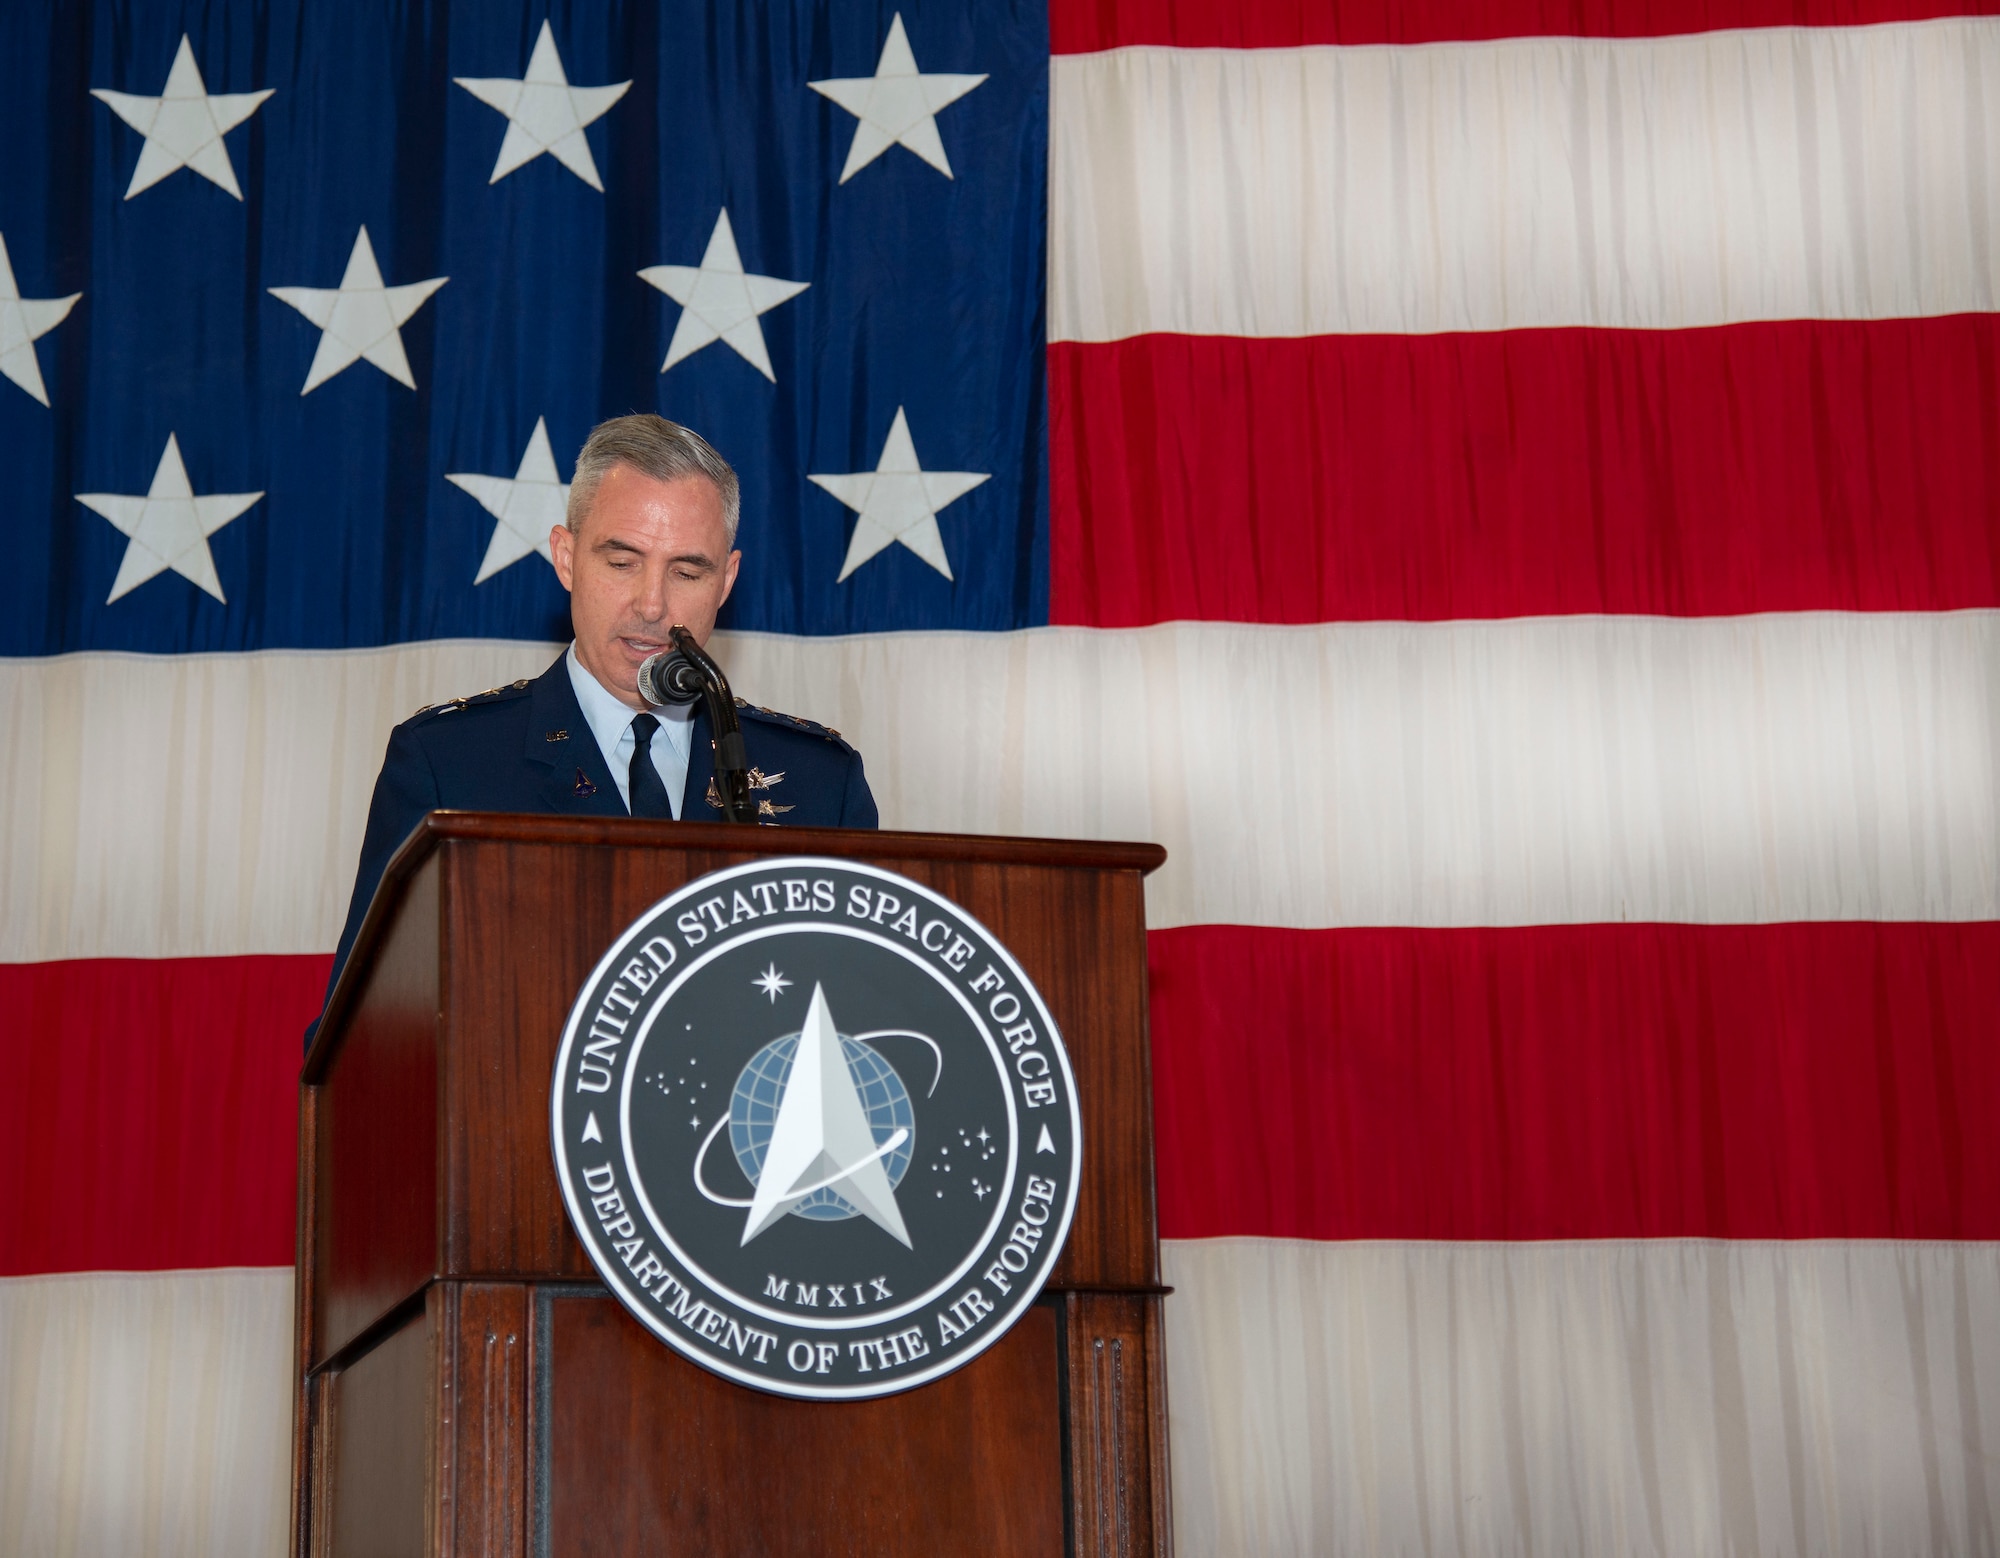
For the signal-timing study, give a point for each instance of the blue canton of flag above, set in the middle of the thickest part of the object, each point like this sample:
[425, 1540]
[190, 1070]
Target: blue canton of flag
[304, 321]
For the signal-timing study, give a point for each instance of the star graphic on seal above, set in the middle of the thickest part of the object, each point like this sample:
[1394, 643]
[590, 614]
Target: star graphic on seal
[771, 982]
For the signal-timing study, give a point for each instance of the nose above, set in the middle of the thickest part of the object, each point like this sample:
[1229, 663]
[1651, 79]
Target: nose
[651, 601]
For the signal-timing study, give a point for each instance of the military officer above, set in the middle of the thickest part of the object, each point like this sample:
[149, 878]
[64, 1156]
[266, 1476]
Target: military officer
[648, 541]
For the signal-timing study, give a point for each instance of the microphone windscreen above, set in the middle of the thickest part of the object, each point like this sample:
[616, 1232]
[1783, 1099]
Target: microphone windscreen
[667, 678]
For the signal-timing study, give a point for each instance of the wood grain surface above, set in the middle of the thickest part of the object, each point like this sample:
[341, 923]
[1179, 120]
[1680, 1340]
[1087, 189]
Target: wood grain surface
[442, 1284]
[376, 1132]
[380, 1487]
[649, 1454]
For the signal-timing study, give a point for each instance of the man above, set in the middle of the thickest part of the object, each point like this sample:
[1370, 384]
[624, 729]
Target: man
[647, 542]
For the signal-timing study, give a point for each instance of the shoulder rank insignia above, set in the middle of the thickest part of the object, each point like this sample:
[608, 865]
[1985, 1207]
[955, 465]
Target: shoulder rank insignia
[453, 705]
[792, 720]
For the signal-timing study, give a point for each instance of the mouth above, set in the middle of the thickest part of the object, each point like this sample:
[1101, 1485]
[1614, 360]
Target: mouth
[642, 648]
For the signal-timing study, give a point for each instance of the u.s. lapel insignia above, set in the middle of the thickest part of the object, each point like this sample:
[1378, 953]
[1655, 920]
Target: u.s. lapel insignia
[759, 780]
[584, 787]
[555, 735]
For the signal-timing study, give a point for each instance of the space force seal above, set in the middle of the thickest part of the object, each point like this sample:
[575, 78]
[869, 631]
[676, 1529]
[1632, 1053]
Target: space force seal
[816, 1128]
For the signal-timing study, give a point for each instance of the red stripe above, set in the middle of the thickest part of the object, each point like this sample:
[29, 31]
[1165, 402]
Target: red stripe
[1082, 26]
[149, 1111]
[1787, 1081]
[1590, 1081]
[1760, 467]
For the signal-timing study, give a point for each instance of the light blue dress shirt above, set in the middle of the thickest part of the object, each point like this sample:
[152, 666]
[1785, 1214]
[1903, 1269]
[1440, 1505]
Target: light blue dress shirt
[611, 723]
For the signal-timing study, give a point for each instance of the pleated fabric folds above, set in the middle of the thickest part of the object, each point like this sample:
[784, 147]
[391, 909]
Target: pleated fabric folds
[1523, 531]
[1609, 1396]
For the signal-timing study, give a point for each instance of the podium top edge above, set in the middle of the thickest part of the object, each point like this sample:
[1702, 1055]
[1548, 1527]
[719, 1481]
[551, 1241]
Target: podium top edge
[736, 838]
[439, 828]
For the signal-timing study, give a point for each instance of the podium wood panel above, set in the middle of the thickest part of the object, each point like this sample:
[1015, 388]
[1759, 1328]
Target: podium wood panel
[378, 1477]
[429, 1205]
[680, 1470]
[376, 1168]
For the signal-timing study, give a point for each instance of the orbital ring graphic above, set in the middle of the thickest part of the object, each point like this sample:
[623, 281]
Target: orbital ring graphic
[937, 1054]
[896, 1139]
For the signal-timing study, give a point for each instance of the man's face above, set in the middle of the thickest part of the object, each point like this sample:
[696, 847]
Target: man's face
[648, 555]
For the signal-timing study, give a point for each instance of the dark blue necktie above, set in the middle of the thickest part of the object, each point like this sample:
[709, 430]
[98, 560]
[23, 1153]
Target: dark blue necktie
[648, 791]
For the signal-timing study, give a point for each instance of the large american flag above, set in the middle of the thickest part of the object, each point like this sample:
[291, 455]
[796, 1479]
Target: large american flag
[1507, 491]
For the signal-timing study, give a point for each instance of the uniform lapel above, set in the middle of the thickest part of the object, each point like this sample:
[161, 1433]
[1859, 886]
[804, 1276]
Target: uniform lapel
[578, 783]
[701, 769]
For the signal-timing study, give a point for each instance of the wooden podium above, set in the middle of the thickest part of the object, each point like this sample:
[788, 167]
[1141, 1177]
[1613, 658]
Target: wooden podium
[467, 1387]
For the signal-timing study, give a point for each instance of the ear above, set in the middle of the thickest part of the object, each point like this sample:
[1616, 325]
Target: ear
[729, 577]
[562, 552]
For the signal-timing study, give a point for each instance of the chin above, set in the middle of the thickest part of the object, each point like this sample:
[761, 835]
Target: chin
[616, 667]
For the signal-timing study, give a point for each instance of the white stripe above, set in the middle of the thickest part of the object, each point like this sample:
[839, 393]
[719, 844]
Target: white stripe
[1630, 1397]
[203, 805]
[1617, 1396]
[144, 1415]
[1563, 770]
[1644, 183]
[1560, 770]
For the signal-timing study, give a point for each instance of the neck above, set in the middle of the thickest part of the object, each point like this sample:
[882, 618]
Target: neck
[631, 699]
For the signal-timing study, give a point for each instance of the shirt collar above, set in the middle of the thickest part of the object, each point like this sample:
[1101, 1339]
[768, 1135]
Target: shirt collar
[611, 721]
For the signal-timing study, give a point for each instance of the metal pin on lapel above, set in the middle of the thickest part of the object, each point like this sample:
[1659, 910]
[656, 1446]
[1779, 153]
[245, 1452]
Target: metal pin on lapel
[583, 785]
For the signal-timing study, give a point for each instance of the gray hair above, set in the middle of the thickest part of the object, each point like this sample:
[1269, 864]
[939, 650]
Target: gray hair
[654, 447]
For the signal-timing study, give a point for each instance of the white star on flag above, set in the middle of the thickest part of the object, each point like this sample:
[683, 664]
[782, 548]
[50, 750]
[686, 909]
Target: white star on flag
[898, 501]
[527, 508]
[719, 302]
[360, 318]
[169, 526]
[23, 321]
[897, 105]
[544, 112]
[184, 125]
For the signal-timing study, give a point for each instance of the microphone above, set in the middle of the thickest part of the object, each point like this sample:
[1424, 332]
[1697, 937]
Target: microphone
[683, 674]
[669, 677]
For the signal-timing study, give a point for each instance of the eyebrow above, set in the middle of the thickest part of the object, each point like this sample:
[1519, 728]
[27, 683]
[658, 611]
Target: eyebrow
[615, 544]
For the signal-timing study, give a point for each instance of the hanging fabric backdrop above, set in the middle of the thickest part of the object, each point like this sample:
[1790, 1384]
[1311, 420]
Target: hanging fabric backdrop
[1507, 492]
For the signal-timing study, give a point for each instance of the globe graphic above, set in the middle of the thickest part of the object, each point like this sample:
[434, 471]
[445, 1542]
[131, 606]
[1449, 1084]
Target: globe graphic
[760, 1087]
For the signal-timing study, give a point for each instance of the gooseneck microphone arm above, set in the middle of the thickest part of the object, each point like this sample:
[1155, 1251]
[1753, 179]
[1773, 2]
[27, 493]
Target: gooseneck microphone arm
[732, 763]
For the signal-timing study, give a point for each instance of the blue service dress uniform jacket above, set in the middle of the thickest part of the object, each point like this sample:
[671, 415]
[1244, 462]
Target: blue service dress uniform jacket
[528, 748]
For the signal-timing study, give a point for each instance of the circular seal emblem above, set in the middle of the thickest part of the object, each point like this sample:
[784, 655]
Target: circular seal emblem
[816, 1128]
